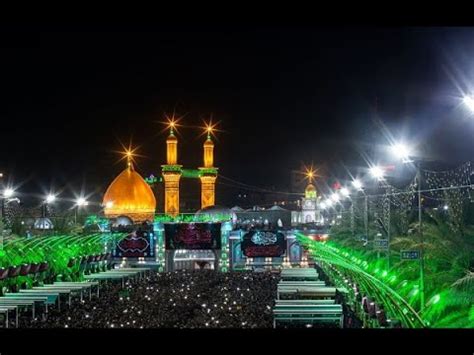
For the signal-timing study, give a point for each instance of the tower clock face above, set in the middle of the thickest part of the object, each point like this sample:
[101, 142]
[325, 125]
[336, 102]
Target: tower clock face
[308, 204]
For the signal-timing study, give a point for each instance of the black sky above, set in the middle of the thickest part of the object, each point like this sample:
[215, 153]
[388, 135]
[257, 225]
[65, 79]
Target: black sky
[284, 96]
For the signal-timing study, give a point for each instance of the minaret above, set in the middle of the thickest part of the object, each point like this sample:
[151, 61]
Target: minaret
[208, 173]
[171, 174]
[309, 202]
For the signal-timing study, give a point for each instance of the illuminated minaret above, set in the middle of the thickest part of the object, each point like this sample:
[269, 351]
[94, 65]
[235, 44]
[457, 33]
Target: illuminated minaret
[310, 213]
[171, 173]
[208, 173]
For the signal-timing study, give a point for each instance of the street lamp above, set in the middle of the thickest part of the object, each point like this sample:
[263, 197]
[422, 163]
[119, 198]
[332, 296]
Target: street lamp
[357, 184]
[404, 150]
[80, 202]
[49, 199]
[345, 192]
[377, 172]
[469, 102]
[7, 194]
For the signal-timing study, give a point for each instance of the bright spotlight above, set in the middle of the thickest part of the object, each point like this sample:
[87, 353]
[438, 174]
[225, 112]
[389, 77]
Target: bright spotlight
[81, 201]
[377, 172]
[469, 102]
[345, 192]
[328, 203]
[322, 205]
[401, 151]
[445, 207]
[8, 192]
[335, 197]
[50, 198]
[357, 184]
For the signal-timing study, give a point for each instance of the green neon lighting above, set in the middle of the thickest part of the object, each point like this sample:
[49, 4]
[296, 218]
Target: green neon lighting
[61, 252]
[189, 218]
[338, 263]
[208, 171]
[151, 180]
[191, 173]
[171, 168]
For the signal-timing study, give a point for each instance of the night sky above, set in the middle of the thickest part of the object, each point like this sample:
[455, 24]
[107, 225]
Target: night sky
[283, 96]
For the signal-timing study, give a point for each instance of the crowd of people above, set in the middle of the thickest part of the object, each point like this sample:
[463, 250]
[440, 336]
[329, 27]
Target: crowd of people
[180, 299]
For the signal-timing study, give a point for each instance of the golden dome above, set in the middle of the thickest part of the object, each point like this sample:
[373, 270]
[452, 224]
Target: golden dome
[129, 195]
[310, 191]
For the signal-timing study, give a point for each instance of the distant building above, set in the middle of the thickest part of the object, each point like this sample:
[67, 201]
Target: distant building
[309, 212]
[272, 217]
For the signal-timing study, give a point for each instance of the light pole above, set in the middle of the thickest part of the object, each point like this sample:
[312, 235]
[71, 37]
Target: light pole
[7, 193]
[345, 193]
[80, 202]
[403, 152]
[377, 173]
[358, 186]
[388, 226]
[420, 233]
[49, 199]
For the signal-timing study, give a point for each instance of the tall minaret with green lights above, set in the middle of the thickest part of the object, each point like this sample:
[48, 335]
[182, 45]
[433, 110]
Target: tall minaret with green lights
[208, 173]
[171, 173]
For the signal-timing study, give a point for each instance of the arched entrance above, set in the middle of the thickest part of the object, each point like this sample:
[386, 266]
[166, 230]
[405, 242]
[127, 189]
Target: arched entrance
[294, 252]
[195, 260]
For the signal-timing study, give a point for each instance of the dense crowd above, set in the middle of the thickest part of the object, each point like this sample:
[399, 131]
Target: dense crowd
[181, 299]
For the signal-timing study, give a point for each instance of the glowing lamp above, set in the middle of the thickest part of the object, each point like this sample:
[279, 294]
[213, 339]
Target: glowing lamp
[81, 201]
[401, 151]
[469, 102]
[50, 198]
[8, 192]
[357, 184]
[377, 172]
[345, 192]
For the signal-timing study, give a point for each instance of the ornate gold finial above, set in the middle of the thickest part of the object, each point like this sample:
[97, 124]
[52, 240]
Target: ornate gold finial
[129, 155]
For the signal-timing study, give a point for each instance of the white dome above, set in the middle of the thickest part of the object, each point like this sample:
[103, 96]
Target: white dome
[123, 221]
[43, 223]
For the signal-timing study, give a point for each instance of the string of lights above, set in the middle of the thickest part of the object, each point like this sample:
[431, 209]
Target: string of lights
[247, 187]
